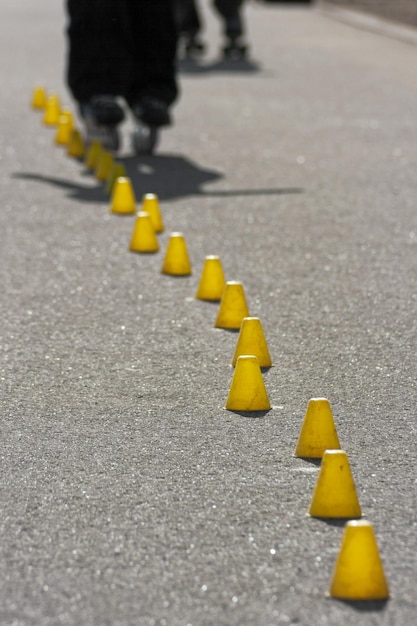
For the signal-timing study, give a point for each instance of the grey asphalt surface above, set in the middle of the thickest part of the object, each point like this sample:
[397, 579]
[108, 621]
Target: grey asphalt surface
[128, 494]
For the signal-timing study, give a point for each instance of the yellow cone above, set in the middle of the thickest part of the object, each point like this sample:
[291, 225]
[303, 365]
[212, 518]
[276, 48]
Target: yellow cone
[150, 204]
[318, 432]
[247, 390]
[335, 494]
[233, 307]
[123, 199]
[358, 573]
[76, 147]
[117, 171]
[212, 280]
[104, 166]
[52, 110]
[64, 128]
[39, 98]
[252, 340]
[176, 261]
[143, 237]
[93, 155]
[67, 114]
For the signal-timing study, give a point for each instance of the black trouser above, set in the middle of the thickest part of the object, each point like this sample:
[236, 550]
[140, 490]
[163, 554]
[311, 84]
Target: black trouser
[189, 21]
[122, 47]
[187, 16]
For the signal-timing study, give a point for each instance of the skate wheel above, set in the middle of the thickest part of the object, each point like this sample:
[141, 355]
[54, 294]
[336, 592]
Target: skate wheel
[144, 139]
[108, 136]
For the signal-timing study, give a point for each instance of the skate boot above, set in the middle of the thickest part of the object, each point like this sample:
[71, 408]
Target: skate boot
[192, 46]
[150, 114]
[235, 47]
[102, 114]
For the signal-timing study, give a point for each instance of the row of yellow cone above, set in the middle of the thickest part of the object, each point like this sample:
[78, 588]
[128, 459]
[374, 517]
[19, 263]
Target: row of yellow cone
[358, 572]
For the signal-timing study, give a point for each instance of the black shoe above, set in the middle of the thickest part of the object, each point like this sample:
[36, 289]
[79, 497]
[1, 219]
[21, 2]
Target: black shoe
[152, 112]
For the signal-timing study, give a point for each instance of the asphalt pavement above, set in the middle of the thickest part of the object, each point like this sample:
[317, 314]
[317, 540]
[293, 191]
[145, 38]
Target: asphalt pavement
[129, 495]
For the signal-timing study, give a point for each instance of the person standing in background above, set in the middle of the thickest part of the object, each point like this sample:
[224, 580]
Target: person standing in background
[189, 24]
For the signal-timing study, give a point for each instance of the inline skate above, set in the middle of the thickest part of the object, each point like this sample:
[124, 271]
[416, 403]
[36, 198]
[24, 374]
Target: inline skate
[150, 114]
[235, 47]
[102, 115]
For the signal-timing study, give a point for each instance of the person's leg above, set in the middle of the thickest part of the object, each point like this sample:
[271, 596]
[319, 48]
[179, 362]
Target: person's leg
[97, 66]
[152, 43]
[189, 25]
[230, 10]
[97, 58]
[187, 16]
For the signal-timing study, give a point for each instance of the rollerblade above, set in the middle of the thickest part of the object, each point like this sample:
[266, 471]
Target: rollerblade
[149, 115]
[235, 48]
[191, 46]
[102, 114]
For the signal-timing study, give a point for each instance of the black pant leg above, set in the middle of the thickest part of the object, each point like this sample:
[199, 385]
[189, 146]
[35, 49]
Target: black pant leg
[97, 61]
[230, 10]
[153, 44]
[187, 16]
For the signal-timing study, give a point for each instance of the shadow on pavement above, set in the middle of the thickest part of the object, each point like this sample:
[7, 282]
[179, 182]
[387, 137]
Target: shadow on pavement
[337, 522]
[251, 414]
[226, 66]
[170, 177]
[313, 461]
[364, 606]
[85, 193]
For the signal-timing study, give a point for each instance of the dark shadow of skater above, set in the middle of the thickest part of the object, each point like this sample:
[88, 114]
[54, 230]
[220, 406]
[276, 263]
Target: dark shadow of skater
[169, 176]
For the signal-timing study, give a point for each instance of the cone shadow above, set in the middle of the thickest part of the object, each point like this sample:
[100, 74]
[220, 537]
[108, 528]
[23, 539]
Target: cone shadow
[363, 606]
[311, 460]
[337, 522]
[250, 414]
[233, 331]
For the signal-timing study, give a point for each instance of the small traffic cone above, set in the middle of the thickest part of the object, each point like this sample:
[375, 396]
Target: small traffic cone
[150, 204]
[117, 171]
[247, 390]
[176, 261]
[67, 114]
[52, 110]
[358, 573]
[212, 280]
[64, 128]
[233, 307]
[335, 494]
[123, 199]
[76, 147]
[252, 340]
[104, 165]
[39, 98]
[143, 237]
[93, 155]
[318, 432]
